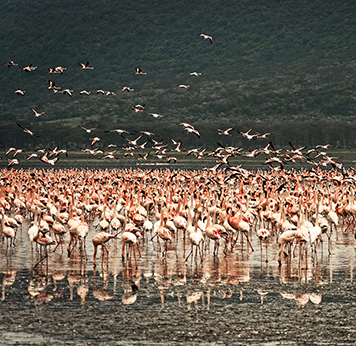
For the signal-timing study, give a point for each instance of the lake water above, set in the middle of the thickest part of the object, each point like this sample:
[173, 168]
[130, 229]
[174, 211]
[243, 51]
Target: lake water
[158, 281]
[167, 279]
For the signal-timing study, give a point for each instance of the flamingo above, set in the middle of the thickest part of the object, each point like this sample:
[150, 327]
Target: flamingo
[192, 130]
[128, 89]
[60, 69]
[94, 140]
[286, 238]
[139, 71]
[37, 114]
[195, 238]
[44, 240]
[248, 135]
[20, 92]
[214, 231]
[29, 68]
[10, 63]
[196, 74]
[183, 86]
[239, 224]
[7, 231]
[225, 132]
[206, 37]
[163, 232]
[52, 86]
[67, 92]
[263, 234]
[138, 108]
[100, 239]
[119, 131]
[155, 115]
[27, 131]
[84, 92]
[85, 66]
[128, 239]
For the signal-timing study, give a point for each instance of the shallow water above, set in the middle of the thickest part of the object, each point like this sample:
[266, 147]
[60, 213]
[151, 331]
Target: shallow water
[168, 279]
[158, 298]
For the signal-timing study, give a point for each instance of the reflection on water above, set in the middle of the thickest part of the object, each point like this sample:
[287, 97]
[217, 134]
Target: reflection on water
[167, 280]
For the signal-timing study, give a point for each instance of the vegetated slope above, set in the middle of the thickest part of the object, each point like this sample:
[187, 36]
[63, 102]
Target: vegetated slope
[270, 63]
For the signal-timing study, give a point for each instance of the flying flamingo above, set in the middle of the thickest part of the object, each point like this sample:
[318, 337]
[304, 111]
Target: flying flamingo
[155, 115]
[226, 132]
[94, 140]
[27, 131]
[206, 37]
[87, 130]
[126, 88]
[119, 131]
[20, 92]
[52, 86]
[192, 130]
[29, 68]
[138, 108]
[183, 86]
[139, 71]
[85, 66]
[37, 114]
[196, 74]
[10, 63]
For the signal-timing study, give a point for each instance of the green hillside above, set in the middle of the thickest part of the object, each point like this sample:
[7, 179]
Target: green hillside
[284, 67]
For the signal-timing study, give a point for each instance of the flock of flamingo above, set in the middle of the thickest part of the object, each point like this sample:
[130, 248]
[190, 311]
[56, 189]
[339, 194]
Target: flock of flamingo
[145, 141]
[192, 208]
[226, 206]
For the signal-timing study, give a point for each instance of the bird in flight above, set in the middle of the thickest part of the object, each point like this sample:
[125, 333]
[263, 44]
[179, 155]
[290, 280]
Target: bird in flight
[196, 74]
[20, 92]
[10, 63]
[84, 92]
[264, 136]
[187, 125]
[52, 86]
[248, 135]
[192, 130]
[226, 132]
[37, 114]
[27, 131]
[85, 66]
[134, 142]
[138, 108]
[178, 145]
[60, 69]
[183, 86]
[147, 133]
[139, 71]
[155, 115]
[9, 151]
[29, 68]
[67, 91]
[119, 131]
[126, 88]
[94, 140]
[87, 130]
[206, 37]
